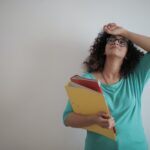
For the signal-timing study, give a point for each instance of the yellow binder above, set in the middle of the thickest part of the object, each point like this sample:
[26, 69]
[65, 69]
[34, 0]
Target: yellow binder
[87, 101]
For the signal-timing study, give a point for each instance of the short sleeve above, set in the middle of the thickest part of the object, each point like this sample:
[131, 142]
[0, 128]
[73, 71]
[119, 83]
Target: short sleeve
[67, 111]
[142, 71]
[87, 75]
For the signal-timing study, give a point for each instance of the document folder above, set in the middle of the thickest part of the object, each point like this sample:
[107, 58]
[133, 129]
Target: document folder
[87, 102]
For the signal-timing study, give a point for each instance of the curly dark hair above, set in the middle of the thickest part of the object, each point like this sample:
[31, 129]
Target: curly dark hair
[96, 60]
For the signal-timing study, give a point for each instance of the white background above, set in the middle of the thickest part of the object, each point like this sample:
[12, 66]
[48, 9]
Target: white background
[42, 44]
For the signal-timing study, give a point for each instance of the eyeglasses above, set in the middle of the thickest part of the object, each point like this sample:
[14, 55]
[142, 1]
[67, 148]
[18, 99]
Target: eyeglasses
[122, 42]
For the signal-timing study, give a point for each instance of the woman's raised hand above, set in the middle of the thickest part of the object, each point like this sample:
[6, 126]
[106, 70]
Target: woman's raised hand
[114, 29]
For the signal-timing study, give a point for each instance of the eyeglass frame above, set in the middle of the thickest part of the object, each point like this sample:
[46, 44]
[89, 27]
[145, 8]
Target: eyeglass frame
[125, 44]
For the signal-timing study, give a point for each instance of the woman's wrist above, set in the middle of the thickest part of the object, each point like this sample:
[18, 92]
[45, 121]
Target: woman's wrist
[92, 118]
[125, 33]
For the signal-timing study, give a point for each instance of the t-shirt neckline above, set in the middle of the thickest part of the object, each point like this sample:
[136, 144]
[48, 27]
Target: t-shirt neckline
[108, 85]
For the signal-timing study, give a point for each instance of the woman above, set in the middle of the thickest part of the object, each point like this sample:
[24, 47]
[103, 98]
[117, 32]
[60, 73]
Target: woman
[122, 71]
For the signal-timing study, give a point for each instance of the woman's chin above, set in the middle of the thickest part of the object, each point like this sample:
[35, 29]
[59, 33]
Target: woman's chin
[115, 55]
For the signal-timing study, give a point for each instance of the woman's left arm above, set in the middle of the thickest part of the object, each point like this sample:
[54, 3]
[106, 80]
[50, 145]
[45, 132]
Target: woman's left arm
[140, 40]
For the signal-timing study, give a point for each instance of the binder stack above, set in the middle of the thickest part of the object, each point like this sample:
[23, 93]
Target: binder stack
[86, 98]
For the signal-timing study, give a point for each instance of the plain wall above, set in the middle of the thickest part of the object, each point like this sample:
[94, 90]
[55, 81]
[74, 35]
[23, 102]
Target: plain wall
[42, 44]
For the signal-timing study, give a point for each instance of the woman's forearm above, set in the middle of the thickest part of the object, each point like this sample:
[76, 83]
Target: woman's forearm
[79, 121]
[141, 40]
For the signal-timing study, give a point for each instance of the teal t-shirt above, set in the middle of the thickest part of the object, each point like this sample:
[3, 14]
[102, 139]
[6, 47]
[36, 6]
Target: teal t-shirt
[124, 101]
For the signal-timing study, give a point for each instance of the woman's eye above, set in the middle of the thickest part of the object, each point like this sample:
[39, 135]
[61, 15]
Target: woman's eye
[112, 40]
[122, 42]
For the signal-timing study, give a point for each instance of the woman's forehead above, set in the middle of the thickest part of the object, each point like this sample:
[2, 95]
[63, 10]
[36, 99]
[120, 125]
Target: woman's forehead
[118, 37]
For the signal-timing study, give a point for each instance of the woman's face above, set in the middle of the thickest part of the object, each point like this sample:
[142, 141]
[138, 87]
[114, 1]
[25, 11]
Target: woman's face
[116, 46]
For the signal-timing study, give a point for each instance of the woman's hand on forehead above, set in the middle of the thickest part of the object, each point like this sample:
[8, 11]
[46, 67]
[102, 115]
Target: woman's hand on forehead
[114, 29]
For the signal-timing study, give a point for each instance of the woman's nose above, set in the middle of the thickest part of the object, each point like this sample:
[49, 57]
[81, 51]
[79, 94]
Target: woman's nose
[116, 42]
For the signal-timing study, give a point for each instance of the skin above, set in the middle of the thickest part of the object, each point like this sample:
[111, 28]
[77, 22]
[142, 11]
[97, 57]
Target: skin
[140, 40]
[115, 55]
[114, 58]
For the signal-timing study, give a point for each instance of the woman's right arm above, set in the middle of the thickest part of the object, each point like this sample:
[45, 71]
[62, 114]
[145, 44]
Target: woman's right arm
[78, 121]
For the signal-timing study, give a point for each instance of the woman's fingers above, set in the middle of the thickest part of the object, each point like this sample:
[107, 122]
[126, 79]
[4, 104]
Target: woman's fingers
[110, 27]
[104, 115]
[105, 120]
[111, 24]
[108, 123]
[111, 123]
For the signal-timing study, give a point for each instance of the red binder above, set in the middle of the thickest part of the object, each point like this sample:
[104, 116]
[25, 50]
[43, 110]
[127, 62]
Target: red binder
[90, 83]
